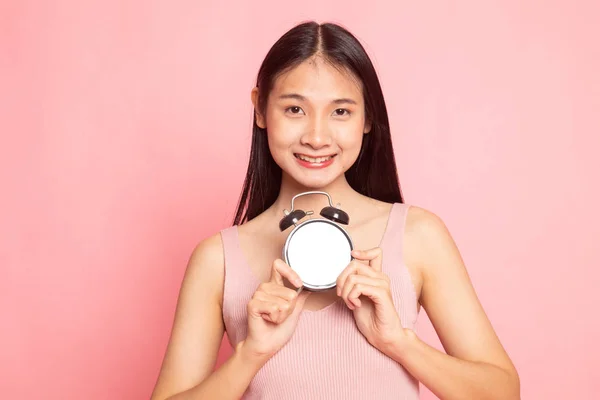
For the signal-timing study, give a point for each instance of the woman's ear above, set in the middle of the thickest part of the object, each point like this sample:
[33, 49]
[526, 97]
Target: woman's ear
[260, 121]
[367, 126]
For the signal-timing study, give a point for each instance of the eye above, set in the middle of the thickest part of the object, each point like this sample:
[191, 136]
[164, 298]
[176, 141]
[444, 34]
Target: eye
[340, 112]
[294, 110]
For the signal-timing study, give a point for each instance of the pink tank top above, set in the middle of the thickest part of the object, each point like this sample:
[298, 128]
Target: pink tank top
[327, 357]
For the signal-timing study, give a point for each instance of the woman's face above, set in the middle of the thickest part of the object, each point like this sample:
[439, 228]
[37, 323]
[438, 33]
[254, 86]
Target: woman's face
[315, 121]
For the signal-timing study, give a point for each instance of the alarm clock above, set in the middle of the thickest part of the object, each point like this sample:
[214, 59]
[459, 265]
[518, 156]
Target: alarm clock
[317, 249]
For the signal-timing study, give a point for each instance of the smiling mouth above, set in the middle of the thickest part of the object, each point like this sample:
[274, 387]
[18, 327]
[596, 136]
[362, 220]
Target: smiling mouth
[314, 160]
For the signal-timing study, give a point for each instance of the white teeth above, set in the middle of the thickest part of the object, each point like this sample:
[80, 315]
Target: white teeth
[313, 160]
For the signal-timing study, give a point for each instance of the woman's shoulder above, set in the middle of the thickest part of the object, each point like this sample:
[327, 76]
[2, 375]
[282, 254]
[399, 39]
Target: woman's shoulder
[206, 264]
[422, 221]
[425, 225]
[427, 237]
[208, 249]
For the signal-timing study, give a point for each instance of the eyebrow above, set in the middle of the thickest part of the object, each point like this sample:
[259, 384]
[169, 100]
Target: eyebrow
[299, 97]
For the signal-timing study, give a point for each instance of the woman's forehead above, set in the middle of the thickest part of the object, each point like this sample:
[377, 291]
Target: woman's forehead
[317, 78]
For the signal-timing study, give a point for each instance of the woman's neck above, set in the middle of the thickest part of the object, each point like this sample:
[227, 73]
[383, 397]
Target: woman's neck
[339, 190]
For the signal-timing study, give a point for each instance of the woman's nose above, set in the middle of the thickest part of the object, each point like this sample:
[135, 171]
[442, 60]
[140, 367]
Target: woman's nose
[317, 135]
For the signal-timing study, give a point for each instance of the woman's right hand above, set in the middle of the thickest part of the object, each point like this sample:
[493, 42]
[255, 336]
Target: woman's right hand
[273, 312]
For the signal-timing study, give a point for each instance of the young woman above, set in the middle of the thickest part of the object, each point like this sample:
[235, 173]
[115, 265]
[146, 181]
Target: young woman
[321, 124]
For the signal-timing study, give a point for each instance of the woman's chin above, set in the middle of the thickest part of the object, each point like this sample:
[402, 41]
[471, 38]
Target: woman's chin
[312, 178]
[314, 182]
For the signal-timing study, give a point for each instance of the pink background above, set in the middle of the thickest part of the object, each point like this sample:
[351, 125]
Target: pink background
[125, 135]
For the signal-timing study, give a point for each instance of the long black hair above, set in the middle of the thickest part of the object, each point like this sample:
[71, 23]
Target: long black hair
[374, 173]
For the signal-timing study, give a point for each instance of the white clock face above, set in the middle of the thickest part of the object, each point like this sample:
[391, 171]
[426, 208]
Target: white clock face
[318, 251]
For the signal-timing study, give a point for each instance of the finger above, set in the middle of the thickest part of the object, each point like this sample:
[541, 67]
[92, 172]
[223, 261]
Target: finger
[281, 270]
[375, 293]
[275, 309]
[274, 289]
[284, 307]
[374, 256]
[263, 309]
[354, 268]
[275, 274]
[287, 308]
[351, 295]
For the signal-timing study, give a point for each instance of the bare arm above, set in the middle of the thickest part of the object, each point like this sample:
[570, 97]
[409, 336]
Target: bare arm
[273, 312]
[476, 365]
[230, 381]
[187, 369]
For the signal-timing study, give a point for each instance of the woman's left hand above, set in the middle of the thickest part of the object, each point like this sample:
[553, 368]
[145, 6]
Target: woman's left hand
[366, 291]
